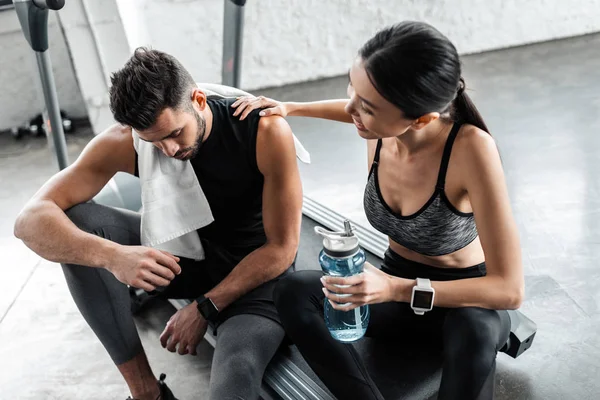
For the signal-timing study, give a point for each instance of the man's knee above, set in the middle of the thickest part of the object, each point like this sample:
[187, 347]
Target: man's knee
[246, 344]
[83, 216]
[471, 333]
[240, 377]
[243, 368]
[120, 226]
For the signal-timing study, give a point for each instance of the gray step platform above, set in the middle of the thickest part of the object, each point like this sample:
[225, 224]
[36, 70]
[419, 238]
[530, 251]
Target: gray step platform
[398, 371]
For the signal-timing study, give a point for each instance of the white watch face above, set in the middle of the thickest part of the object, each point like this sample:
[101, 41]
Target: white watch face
[422, 299]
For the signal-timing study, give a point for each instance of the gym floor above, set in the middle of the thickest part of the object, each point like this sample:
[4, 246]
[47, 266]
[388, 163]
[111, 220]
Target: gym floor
[541, 103]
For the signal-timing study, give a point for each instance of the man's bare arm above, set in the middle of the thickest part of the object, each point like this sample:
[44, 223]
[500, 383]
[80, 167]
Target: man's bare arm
[282, 215]
[43, 225]
[45, 228]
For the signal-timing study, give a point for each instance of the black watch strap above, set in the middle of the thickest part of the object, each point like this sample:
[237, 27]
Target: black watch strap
[207, 308]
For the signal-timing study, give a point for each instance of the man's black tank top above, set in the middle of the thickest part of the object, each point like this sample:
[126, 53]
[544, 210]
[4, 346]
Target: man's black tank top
[228, 173]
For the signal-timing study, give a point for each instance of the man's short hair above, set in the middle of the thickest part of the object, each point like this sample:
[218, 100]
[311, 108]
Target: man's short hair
[149, 82]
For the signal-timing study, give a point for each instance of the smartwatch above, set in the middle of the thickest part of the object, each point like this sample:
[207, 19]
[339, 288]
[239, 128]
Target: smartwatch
[421, 300]
[207, 308]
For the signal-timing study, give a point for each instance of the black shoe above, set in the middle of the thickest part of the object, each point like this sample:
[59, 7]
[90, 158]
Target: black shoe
[165, 392]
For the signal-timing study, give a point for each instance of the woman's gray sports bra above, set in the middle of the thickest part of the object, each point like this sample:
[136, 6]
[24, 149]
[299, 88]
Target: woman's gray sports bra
[437, 229]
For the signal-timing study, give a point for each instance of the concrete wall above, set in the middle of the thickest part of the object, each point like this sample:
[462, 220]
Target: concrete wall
[297, 40]
[96, 37]
[20, 97]
[284, 41]
[191, 30]
[325, 35]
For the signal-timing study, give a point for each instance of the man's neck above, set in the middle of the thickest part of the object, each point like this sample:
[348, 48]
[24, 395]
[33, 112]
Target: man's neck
[208, 118]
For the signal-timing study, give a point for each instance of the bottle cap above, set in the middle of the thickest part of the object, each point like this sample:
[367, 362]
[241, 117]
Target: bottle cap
[339, 244]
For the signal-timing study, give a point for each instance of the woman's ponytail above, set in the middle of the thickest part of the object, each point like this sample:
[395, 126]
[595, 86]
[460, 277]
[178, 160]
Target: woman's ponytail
[464, 109]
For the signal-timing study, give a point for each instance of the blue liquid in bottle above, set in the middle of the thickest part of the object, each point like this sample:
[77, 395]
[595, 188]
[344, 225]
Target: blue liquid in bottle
[341, 256]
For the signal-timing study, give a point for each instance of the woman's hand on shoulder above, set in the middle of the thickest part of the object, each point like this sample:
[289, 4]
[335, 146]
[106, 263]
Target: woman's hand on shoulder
[244, 105]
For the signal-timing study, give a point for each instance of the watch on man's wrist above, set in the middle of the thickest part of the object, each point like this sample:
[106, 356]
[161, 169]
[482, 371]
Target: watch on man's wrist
[422, 297]
[207, 308]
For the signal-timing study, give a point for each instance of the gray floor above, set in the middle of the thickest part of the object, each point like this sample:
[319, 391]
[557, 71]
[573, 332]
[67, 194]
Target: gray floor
[542, 104]
[46, 349]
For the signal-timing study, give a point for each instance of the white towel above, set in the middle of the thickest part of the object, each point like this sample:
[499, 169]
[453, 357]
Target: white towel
[173, 203]
[174, 206]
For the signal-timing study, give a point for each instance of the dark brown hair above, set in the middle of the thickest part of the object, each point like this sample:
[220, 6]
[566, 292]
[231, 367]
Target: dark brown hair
[149, 82]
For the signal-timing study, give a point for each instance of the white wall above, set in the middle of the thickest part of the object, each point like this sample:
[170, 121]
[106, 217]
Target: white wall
[327, 34]
[284, 41]
[96, 38]
[20, 97]
[297, 40]
[191, 30]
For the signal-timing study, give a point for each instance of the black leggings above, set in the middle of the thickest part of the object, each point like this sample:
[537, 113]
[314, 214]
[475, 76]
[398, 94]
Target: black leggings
[469, 337]
[246, 341]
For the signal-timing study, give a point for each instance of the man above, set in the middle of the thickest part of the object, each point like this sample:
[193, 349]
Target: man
[248, 173]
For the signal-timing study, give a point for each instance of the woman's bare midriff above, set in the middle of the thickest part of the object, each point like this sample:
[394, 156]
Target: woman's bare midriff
[463, 258]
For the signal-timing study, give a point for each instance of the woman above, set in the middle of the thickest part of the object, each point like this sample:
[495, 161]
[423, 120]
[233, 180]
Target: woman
[436, 187]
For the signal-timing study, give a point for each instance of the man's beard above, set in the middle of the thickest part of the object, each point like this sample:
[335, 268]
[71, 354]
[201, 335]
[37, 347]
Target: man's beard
[193, 151]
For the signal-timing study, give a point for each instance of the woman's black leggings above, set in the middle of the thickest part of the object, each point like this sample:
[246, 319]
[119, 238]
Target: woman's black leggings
[469, 338]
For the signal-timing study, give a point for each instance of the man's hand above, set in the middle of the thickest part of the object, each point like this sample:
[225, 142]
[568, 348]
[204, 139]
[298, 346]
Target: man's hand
[143, 267]
[186, 328]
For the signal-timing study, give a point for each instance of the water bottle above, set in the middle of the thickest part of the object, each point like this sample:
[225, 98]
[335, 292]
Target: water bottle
[341, 256]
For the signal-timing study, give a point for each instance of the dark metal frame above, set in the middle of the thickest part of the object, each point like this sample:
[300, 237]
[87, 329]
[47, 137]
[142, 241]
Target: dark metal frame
[233, 29]
[6, 5]
[33, 16]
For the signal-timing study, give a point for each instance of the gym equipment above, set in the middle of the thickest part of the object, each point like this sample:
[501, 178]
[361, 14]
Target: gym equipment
[233, 28]
[522, 332]
[399, 372]
[6, 4]
[122, 191]
[33, 17]
[36, 127]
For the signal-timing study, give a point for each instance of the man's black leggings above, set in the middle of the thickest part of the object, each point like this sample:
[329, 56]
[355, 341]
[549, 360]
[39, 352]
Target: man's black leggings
[246, 342]
[469, 338]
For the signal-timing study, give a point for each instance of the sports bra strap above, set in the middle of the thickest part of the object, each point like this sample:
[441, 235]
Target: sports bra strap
[441, 181]
[377, 151]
